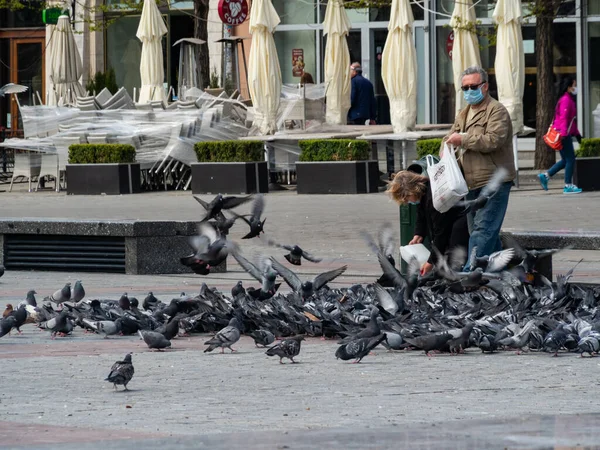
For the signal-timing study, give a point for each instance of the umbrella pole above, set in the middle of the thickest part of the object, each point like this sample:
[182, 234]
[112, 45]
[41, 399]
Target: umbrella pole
[516, 155]
[245, 67]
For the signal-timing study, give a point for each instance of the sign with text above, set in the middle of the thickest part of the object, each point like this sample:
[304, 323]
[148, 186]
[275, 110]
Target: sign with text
[233, 12]
[450, 44]
[298, 62]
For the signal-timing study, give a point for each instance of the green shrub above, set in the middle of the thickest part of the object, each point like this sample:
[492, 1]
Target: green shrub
[589, 147]
[230, 151]
[102, 80]
[334, 150]
[428, 147]
[101, 153]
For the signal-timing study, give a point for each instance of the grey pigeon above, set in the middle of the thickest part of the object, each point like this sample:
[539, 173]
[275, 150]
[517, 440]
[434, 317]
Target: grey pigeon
[488, 191]
[306, 288]
[238, 289]
[393, 341]
[266, 274]
[225, 338]
[287, 348]
[172, 328]
[255, 223]
[371, 330]
[358, 349]
[262, 337]
[121, 372]
[62, 295]
[77, 292]
[520, 339]
[555, 340]
[21, 315]
[295, 254]
[588, 344]
[460, 339]
[487, 343]
[219, 203]
[12, 88]
[105, 327]
[430, 342]
[7, 324]
[154, 340]
[59, 325]
[493, 263]
[210, 249]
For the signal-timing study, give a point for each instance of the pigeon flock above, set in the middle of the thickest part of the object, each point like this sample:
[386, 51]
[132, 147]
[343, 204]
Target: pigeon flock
[499, 303]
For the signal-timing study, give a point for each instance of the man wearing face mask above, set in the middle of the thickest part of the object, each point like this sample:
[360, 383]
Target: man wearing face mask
[483, 132]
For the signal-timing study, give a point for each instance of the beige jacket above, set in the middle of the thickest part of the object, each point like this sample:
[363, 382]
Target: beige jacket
[487, 144]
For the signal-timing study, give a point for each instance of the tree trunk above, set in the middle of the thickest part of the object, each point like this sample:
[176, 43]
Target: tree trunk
[545, 103]
[201, 32]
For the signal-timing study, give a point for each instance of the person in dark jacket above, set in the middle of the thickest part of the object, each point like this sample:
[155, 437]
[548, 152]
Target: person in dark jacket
[445, 230]
[363, 105]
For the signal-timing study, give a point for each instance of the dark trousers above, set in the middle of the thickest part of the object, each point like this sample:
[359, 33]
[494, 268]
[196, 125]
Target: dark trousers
[357, 121]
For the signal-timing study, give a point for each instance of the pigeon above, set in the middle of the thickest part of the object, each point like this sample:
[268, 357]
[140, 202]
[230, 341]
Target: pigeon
[372, 329]
[77, 292]
[7, 324]
[225, 338]
[266, 274]
[62, 295]
[171, 329]
[217, 204]
[306, 288]
[238, 289]
[21, 315]
[154, 340]
[488, 191]
[287, 348]
[520, 339]
[429, 342]
[358, 349]
[12, 88]
[555, 340]
[495, 262]
[460, 338]
[262, 337]
[295, 254]
[106, 327]
[487, 343]
[121, 372]
[59, 325]
[588, 344]
[210, 249]
[255, 224]
[386, 301]
[29, 299]
[124, 302]
[150, 302]
[393, 341]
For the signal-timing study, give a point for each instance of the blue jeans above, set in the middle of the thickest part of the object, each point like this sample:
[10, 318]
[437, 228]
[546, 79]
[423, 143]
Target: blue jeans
[485, 223]
[567, 161]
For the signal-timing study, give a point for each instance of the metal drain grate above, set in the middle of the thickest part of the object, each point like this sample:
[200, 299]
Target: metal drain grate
[59, 252]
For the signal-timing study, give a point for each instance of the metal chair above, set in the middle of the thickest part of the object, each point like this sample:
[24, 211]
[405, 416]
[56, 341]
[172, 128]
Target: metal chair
[49, 166]
[26, 165]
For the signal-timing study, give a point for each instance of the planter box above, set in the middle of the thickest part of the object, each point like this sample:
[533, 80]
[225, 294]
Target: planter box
[110, 179]
[586, 174]
[337, 177]
[230, 178]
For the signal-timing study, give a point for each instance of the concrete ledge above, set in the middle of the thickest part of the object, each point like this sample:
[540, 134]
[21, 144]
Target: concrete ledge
[147, 247]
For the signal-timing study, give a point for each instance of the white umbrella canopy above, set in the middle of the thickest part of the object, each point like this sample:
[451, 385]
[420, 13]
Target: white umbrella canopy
[337, 63]
[510, 59]
[152, 73]
[465, 52]
[65, 64]
[264, 73]
[399, 67]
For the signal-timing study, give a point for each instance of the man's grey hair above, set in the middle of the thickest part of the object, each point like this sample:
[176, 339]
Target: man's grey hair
[476, 69]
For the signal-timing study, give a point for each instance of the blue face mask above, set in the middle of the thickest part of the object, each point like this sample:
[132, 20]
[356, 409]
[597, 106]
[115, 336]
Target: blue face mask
[413, 203]
[473, 97]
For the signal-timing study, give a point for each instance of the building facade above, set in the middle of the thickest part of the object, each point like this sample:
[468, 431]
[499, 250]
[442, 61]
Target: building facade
[576, 34]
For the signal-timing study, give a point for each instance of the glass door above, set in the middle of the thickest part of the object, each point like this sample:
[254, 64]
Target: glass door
[27, 63]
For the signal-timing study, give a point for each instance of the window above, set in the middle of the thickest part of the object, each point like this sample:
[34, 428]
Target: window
[296, 12]
[593, 97]
[296, 51]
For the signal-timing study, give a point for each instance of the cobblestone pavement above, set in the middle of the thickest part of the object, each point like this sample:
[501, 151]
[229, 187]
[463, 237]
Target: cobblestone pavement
[54, 394]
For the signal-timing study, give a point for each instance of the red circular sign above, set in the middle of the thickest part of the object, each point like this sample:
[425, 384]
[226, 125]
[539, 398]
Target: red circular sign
[233, 12]
[450, 44]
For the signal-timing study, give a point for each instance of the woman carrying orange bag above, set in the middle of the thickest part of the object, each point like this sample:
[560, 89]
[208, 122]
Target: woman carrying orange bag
[565, 123]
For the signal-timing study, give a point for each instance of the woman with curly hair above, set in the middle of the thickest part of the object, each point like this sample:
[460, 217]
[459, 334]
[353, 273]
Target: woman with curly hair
[445, 230]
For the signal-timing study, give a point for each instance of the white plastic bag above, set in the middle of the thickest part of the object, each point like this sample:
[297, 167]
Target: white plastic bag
[448, 185]
[419, 251]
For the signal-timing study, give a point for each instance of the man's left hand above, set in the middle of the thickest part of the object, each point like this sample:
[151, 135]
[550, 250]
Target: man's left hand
[454, 139]
[426, 268]
[371, 122]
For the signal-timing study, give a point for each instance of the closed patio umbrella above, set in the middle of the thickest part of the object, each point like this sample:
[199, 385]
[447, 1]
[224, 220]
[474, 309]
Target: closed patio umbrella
[65, 66]
[510, 64]
[152, 73]
[337, 63]
[465, 51]
[264, 73]
[399, 67]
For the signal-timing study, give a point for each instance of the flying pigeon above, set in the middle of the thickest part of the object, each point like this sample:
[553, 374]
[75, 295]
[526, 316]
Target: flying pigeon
[255, 223]
[217, 204]
[225, 338]
[12, 88]
[295, 254]
[287, 348]
[488, 191]
[306, 288]
[121, 372]
[210, 249]
[154, 340]
[266, 275]
[358, 349]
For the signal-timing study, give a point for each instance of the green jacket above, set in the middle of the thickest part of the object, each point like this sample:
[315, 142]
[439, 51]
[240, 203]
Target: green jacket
[487, 144]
